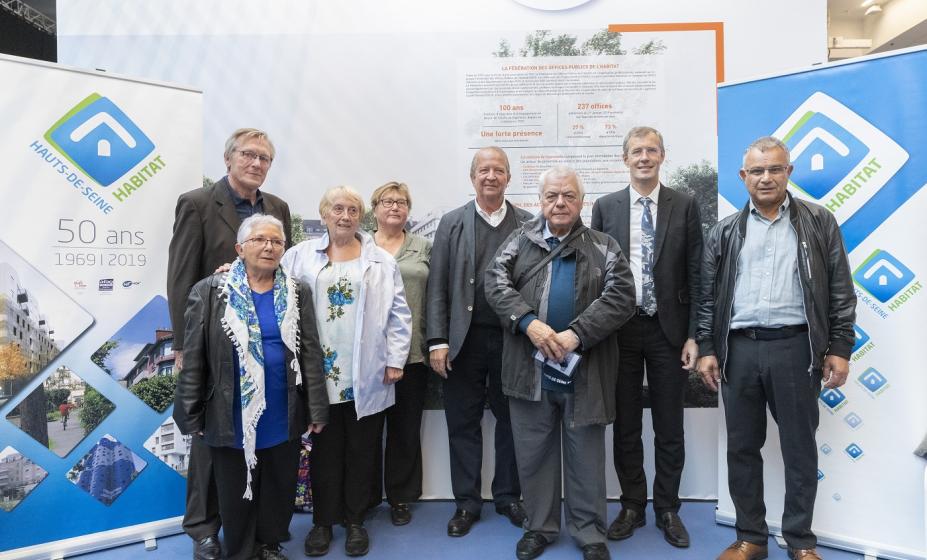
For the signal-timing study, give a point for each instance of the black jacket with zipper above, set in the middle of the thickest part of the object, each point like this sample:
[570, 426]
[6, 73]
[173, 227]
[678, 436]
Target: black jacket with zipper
[205, 391]
[824, 271]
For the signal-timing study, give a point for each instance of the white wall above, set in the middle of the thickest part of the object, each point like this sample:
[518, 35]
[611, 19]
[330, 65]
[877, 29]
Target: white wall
[848, 28]
[897, 17]
[760, 36]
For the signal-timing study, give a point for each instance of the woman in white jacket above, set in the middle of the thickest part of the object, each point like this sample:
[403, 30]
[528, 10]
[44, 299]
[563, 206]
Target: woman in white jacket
[364, 327]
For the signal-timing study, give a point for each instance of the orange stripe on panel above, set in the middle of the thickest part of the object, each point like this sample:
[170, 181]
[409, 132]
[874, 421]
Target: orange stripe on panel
[716, 26]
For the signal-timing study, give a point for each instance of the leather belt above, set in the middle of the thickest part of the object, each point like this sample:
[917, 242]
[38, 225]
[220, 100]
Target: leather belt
[763, 333]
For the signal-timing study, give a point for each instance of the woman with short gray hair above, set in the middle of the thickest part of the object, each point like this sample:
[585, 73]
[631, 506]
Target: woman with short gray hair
[251, 384]
[365, 329]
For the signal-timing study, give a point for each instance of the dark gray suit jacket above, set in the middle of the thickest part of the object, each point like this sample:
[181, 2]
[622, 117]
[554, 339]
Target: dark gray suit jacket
[205, 226]
[452, 277]
[677, 253]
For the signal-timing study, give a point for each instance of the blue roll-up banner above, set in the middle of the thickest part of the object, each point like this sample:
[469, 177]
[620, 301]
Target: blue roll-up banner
[89, 455]
[857, 132]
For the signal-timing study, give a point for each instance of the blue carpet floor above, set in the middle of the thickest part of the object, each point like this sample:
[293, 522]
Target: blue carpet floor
[491, 538]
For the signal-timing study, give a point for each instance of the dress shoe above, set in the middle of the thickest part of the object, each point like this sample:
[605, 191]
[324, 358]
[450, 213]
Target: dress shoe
[318, 540]
[743, 550]
[270, 552]
[357, 542]
[531, 545]
[400, 514]
[515, 512]
[623, 526]
[804, 554]
[207, 548]
[596, 551]
[460, 524]
[673, 530]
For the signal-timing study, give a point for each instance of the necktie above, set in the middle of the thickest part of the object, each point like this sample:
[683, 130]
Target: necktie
[552, 242]
[648, 301]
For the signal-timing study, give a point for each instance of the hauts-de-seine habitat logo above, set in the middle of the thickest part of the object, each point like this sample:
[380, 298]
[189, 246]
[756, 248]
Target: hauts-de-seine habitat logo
[96, 142]
[887, 279]
[101, 140]
[854, 451]
[841, 160]
[833, 399]
[863, 343]
[873, 382]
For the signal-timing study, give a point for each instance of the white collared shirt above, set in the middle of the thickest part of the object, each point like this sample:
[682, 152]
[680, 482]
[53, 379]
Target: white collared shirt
[635, 254]
[492, 218]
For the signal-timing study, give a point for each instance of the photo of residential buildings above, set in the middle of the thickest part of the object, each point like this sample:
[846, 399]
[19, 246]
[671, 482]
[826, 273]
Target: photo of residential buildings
[18, 477]
[170, 446]
[106, 470]
[155, 358]
[31, 334]
[140, 355]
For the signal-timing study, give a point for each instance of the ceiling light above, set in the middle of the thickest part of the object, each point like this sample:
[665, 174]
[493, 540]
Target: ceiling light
[874, 9]
[867, 3]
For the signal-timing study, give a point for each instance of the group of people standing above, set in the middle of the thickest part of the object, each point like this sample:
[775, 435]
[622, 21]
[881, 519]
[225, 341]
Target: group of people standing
[551, 323]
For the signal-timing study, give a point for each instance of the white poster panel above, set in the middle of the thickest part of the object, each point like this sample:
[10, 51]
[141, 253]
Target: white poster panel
[565, 110]
[361, 116]
[94, 164]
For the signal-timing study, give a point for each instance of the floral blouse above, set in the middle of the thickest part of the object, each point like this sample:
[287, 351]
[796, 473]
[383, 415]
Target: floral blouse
[336, 293]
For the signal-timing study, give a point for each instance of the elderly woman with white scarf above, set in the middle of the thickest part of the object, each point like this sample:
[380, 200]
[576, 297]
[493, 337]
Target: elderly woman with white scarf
[365, 328]
[251, 384]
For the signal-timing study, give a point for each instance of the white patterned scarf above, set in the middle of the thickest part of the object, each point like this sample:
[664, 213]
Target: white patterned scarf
[240, 322]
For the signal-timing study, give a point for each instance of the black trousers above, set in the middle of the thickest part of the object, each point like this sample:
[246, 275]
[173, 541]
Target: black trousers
[344, 456]
[403, 466]
[642, 342]
[772, 373]
[403, 421]
[265, 519]
[201, 516]
[477, 377]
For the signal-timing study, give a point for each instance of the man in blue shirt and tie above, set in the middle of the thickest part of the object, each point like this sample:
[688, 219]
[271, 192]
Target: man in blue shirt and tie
[659, 228]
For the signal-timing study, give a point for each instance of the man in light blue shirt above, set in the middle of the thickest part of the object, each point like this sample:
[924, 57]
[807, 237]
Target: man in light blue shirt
[767, 291]
[775, 318]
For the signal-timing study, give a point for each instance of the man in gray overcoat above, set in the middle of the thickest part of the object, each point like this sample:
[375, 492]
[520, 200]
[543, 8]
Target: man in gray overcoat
[561, 291]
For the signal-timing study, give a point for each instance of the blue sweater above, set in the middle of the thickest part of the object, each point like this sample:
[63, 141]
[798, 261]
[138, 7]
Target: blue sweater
[272, 426]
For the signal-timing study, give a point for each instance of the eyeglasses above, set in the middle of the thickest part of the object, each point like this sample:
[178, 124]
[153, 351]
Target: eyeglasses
[263, 241]
[552, 197]
[338, 210]
[390, 202]
[250, 156]
[760, 171]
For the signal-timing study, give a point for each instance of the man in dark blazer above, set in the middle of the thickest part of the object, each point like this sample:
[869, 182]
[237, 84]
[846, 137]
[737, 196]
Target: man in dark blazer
[465, 340]
[660, 231]
[206, 222]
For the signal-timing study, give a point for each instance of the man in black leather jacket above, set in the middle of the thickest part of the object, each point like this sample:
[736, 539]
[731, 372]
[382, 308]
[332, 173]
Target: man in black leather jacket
[775, 317]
